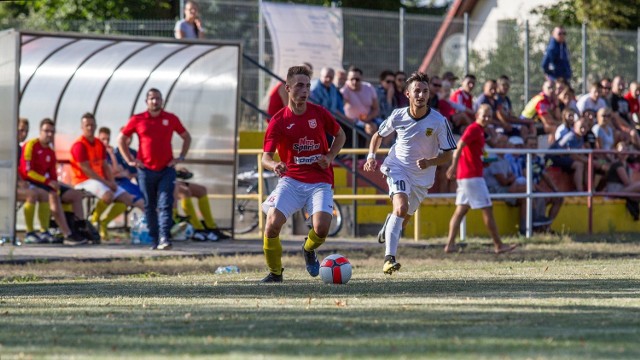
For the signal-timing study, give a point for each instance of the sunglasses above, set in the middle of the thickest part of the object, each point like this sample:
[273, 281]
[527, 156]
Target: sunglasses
[606, 88]
[389, 81]
[562, 33]
[354, 79]
[437, 85]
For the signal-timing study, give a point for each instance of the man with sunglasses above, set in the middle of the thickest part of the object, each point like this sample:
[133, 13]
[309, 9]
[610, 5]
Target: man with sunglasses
[556, 63]
[386, 93]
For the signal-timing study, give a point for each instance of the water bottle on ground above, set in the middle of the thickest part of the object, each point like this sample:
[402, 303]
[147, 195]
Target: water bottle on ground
[230, 269]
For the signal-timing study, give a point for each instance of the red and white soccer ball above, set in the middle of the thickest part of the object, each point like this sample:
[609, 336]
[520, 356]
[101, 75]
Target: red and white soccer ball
[335, 269]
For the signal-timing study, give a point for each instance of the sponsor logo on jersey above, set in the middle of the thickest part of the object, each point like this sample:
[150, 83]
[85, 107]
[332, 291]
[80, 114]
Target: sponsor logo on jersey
[305, 160]
[429, 132]
[313, 124]
[47, 159]
[165, 122]
[305, 145]
[290, 126]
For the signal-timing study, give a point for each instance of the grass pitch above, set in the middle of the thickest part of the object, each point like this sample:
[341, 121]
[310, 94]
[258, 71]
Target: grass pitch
[551, 299]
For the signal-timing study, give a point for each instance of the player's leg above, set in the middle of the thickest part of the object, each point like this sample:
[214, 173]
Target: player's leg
[393, 231]
[462, 207]
[166, 187]
[148, 182]
[490, 223]
[479, 198]
[30, 199]
[320, 205]
[281, 203]
[200, 192]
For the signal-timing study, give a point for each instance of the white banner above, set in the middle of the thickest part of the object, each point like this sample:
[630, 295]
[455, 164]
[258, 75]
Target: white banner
[304, 33]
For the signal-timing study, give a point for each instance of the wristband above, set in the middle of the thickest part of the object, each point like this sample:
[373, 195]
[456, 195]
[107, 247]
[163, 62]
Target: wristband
[371, 156]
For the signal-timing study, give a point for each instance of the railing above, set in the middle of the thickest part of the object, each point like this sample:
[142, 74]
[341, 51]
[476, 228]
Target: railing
[528, 195]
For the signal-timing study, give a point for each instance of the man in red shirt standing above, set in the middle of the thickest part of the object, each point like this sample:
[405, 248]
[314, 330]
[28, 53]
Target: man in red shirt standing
[157, 174]
[472, 192]
[298, 133]
[91, 172]
[38, 167]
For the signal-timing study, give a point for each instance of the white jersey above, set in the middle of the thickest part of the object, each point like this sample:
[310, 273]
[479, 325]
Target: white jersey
[417, 139]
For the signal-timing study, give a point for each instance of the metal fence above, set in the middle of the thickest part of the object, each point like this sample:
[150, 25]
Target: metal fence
[378, 40]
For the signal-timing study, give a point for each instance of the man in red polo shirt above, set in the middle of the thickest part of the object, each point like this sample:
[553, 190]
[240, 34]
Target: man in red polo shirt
[472, 192]
[157, 173]
[91, 172]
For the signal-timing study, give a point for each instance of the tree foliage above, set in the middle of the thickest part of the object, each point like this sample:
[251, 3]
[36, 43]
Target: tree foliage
[597, 14]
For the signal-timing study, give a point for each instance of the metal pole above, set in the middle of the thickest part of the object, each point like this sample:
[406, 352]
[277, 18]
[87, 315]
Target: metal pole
[638, 54]
[401, 40]
[354, 179]
[261, 61]
[181, 15]
[466, 43]
[463, 229]
[529, 219]
[526, 60]
[590, 190]
[584, 58]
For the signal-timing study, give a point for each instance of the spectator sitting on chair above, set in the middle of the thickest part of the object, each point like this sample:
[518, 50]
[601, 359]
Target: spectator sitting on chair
[592, 100]
[619, 179]
[325, 94]
[38, 167]
[399, 81]
[361, 105]
[31, 196]
[92, 173]
[575, 164]
[386, 93]
[207, 229]
[122, 172]
[464, 96]
[543, 108]
[568, 119]
[633, 98]
[567, 100]
[505, 108]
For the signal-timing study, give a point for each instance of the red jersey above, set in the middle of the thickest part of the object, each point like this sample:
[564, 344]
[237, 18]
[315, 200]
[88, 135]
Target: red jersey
[154, 135]
[634, 104]
[275, 101]
[470, 162]
[300, 140]
[83, 150]
[462, 97]
[38, 163]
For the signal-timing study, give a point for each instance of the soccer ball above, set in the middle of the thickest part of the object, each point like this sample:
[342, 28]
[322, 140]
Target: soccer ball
[335, 269]
[182, 232]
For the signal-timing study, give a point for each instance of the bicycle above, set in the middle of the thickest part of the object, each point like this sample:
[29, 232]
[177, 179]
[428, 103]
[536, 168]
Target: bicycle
[247, 211]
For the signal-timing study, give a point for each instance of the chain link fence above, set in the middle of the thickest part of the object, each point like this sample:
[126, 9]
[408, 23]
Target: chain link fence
[374, 40]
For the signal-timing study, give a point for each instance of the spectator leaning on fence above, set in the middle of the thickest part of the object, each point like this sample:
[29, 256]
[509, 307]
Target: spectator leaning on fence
[325, 94]
[556, 62]
[191, 26]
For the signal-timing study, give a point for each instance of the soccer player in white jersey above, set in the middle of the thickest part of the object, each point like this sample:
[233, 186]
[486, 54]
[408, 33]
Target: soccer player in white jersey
[424, 141]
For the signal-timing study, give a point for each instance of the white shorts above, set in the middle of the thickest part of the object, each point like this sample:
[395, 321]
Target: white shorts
[473, 192]
[98, 188]
[399, 182]
[292, 195]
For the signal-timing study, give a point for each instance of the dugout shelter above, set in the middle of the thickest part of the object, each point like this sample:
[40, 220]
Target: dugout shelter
[63, 75]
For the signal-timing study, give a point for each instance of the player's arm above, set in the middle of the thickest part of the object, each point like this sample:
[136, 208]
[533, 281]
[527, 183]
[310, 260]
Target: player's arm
[186, 144]
[269, 163]
[443, 157]
[338, 142]
[126, 154]
[451, 171]
[374, 145]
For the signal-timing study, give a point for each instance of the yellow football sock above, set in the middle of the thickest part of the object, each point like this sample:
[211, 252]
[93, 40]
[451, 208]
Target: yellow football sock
[205, 210]
[44, 215]
[101, 206]
[190, 211]
[67, 207]
[116, 209]
[29, 215]
[313, 241]
[273, 254]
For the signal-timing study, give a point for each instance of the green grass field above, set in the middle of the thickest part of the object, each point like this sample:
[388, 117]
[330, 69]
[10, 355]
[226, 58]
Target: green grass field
[551, 299]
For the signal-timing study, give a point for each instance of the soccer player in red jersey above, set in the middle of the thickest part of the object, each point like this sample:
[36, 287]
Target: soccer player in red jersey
[298, 134]
[472, 192]
[38, 167]
[156, 164]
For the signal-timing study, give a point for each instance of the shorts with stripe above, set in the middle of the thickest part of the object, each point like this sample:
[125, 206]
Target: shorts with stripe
[400, 182]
